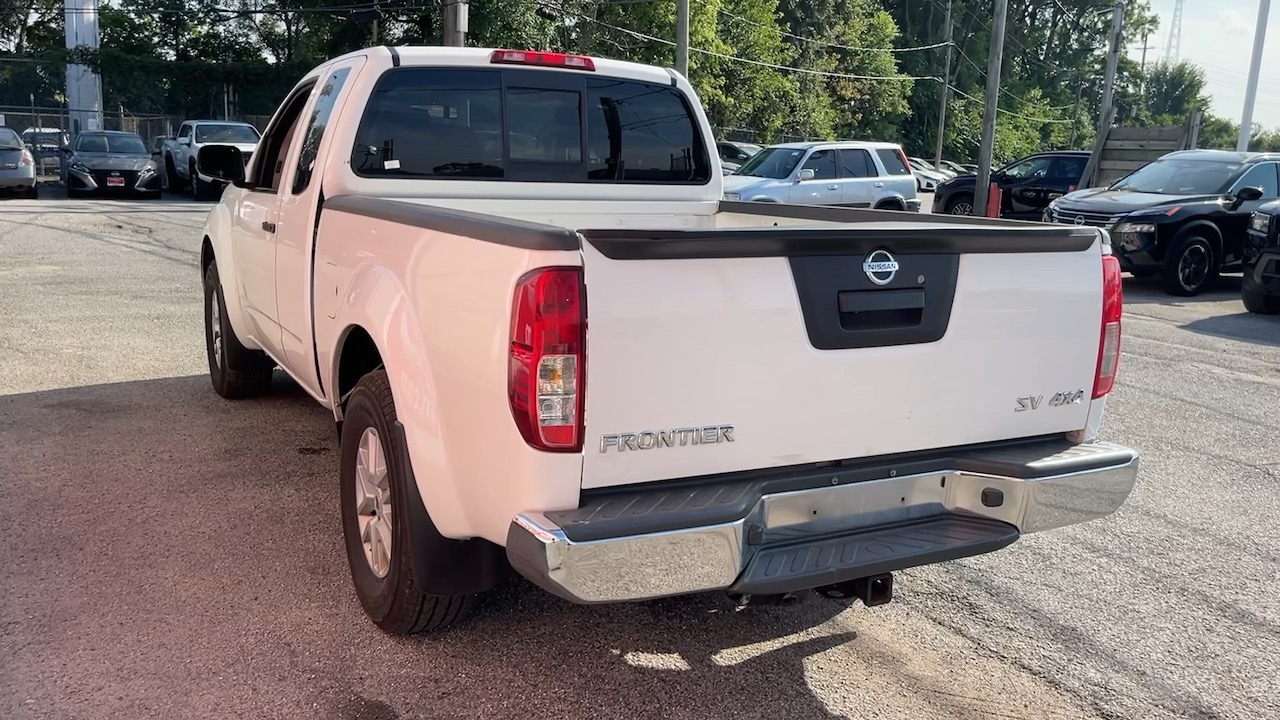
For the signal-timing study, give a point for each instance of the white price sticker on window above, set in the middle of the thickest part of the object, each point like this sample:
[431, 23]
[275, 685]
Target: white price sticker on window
[391, 165]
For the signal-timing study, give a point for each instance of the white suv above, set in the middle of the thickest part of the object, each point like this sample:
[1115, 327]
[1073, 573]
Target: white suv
[847, 173]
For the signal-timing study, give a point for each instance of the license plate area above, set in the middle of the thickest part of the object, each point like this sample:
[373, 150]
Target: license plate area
[115, 182]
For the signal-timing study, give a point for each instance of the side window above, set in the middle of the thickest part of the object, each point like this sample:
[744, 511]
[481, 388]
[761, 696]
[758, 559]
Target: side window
[1262, 175]
[893, 162]
[823, 165]
[1067, 168]
[184, 131]
[857, 163]
[268, 164]
[642, 132]
[315, 128]
[432, 123]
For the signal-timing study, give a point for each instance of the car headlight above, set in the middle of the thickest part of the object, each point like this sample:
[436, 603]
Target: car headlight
[1135, 228]
[733, 197]
[1260, 222]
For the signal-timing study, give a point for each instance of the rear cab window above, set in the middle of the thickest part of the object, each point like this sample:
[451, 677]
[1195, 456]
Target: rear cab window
[892, 161]
[529, 126]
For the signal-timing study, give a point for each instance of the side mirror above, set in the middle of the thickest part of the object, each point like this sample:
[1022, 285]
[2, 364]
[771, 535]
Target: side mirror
[1249, 194]
[805, 174]
[221, 162]
[184, 140]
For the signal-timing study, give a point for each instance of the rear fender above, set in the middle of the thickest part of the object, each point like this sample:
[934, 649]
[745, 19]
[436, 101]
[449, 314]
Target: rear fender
[376, 301]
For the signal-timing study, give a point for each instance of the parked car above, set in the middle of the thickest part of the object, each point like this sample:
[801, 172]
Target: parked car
[957, 168]
[1182, 218]
[179, 153]
[1260, 288]
[17, 165]
[1027, 185]
[46, 146]
[734, 153]
[927, 178]
[109, 162]
[427, 276]
[849, 173]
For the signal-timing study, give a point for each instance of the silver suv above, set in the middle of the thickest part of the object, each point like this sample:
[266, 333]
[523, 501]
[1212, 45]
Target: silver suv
[848, 173]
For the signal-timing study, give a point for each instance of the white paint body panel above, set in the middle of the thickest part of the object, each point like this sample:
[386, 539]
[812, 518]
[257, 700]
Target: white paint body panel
[675, 343]
[670, 342]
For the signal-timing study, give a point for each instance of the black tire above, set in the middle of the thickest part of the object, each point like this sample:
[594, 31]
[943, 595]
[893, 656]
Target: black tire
[199, 188]
[1258, 302]
[1190, 267]
[956, 203]
[171, 175]
[235, 371]
[394, 601]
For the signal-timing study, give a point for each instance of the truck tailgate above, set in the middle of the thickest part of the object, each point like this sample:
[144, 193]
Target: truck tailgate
[726, 350]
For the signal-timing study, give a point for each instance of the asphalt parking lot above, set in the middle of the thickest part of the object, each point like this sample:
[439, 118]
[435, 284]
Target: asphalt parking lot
[172, 555]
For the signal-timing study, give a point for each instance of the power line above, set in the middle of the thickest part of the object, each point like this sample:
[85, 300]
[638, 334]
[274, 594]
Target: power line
[784, 33]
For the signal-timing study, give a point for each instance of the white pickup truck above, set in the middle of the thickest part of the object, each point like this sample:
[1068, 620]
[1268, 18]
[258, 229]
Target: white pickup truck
[179, 154]
[550, 346]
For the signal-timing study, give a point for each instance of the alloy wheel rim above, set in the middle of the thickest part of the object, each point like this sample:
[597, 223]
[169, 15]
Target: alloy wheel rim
[373, 503]
[1193, 267]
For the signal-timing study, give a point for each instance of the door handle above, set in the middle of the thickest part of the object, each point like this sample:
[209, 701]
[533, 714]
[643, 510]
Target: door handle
[833, 187]
[268, 226]
[879, 184]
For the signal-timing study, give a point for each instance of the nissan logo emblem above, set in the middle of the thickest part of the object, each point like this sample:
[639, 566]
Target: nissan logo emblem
[880, 267]
[1079, 219]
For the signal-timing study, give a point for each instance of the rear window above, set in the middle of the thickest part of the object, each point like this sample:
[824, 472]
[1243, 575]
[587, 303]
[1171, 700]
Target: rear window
[527, 126]
[892, 161]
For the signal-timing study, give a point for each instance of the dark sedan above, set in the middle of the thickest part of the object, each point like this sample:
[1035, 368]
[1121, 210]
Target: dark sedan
[109, 162]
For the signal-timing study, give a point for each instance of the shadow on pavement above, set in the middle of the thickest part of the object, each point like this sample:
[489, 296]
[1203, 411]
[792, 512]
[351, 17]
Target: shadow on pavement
[181, 555]
[1148, 292]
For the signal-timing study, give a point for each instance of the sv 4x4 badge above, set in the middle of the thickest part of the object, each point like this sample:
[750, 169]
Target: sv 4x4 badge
[1033, 402]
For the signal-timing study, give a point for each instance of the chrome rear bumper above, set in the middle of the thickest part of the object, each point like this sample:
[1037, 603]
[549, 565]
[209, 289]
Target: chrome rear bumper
[817, 526]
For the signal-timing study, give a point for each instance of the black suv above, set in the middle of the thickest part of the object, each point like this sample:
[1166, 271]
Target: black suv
[1026, 185]
[1260, 289]
[1182, 218]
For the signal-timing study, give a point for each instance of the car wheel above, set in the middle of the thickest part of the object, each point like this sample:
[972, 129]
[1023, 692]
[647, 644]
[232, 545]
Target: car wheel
[960, 205]
[1190, 267]
[235, 371]
[375, 521]
[171, 179]
[1258, 302]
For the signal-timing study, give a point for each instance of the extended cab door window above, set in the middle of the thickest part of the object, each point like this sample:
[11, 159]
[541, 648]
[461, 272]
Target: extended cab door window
[329, 93]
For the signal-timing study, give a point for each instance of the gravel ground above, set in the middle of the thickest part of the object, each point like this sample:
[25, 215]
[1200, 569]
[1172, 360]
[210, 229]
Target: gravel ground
[172, 555]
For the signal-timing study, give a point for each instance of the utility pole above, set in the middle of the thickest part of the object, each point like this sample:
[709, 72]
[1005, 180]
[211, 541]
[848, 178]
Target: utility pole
[1113, 59]
[454, 28]
[682, 37]
[1255, 65]
[989, 114]
[946, 90]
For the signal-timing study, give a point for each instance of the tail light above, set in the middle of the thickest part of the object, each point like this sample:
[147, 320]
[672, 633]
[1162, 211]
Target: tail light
[545, 382]
[27, 159]
[1104, 378]
[905, 162]
[542, 59]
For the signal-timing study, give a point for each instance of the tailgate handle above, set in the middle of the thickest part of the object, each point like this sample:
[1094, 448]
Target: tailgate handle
[880, 309]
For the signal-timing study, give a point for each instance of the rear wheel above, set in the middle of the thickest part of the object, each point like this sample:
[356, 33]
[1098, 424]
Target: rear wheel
[961, 204]
[1190, 267]
[375, 525]
[235, 371]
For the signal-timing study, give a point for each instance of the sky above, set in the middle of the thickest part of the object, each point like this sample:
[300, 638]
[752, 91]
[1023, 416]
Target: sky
[1217, 35]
